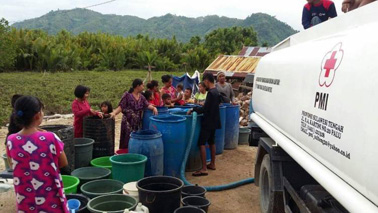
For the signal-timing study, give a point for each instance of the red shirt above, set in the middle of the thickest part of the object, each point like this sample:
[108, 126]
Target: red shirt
[80, 109]
[156, 101]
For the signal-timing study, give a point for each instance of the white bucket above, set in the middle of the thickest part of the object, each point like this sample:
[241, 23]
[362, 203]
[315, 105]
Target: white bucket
[131, 189]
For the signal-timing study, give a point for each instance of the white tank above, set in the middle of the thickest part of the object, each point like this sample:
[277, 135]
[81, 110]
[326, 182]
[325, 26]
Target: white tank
[319, 88]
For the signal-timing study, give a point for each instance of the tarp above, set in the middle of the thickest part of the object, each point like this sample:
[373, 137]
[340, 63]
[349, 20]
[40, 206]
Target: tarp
[188, 81]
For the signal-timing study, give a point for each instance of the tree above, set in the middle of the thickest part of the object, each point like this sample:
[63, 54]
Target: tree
[148, 59]
[230, 40]
[7, 47]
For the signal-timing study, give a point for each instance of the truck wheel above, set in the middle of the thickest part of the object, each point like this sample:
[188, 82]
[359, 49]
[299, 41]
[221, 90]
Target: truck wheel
[269, 201]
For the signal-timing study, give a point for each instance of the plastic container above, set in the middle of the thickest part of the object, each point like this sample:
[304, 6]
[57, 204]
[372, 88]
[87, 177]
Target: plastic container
[83, 200]
[194, 162]
[73, 204]
[244, 136]
[193, 191]
[83, 151]
[231, 139]
[103, 162]
[103, 132]
[148, 113]
[66, 135]
[86, 174]
[128, 167]
[173, 129]
[150, 144]
[97, 188]
[189, 209]
[131, 189]
[196, 201]
[160, 194]
[220, 133]
[112, 204]
[122, 151]
[70, 184]
[5, 158]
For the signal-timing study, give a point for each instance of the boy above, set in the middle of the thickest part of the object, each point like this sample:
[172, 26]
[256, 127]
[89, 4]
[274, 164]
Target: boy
[317, 11]
[210, 122]
[167, 100]
[188, 96]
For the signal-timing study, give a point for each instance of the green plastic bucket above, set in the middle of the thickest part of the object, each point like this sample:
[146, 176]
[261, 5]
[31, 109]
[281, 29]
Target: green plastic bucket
[97, 188]
[244, 136]
[128, 167]
[70, 184]
[5, 158]
[111, 204]
[102, 162]
[83, 151]
[86, 174]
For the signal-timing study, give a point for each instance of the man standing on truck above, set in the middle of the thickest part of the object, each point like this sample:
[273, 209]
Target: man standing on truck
[317, 11]
[210, 123]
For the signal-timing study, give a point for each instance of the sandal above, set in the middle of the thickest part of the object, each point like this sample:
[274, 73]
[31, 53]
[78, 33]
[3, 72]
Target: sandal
[200, 173]
[211, 168]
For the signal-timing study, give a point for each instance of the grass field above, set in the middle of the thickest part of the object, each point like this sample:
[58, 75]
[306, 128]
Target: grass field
[56, 89]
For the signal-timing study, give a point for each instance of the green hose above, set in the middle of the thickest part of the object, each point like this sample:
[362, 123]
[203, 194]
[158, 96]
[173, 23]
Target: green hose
[208, 188]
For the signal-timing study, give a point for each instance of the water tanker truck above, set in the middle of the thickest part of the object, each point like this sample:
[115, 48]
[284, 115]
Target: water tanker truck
[316, 97]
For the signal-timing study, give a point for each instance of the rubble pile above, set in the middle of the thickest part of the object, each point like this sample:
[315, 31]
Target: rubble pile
[244, 101]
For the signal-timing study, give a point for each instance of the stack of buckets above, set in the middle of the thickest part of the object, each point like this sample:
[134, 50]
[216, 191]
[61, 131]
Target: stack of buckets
[140, 171]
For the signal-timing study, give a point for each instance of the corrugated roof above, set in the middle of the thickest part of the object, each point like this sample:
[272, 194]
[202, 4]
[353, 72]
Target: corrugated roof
[234, 64]
[255, 51]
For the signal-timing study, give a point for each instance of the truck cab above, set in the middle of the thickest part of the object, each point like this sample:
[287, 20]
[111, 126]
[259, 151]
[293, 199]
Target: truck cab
[314, 96]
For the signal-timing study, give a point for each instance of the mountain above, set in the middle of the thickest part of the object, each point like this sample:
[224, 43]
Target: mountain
[269, 29]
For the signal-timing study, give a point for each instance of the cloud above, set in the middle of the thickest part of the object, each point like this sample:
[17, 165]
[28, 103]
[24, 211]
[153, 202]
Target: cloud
[286, 11]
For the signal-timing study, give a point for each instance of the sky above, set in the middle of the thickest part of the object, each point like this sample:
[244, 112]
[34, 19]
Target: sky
[289, 11]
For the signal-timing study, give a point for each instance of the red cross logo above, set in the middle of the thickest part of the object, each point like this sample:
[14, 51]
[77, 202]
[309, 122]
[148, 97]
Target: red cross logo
[330, 64]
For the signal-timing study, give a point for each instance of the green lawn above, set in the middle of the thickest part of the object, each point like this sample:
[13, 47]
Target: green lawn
[56, 89]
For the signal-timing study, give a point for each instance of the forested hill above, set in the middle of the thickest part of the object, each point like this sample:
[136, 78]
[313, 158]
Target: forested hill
[269, 29]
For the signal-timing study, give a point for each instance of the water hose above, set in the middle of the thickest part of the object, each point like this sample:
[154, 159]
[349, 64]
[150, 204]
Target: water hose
[208, 188]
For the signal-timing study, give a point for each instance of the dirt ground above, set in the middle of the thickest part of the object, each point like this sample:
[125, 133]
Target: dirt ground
[232, 165]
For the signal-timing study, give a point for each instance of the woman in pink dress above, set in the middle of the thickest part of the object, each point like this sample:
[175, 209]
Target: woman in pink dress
[36, 157]
[168, 88]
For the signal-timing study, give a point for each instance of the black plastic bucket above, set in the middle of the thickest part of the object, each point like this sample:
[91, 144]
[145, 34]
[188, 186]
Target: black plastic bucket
[83, 202]
[196, 201]
[83, 152]
[103, 132]
[66, 134]
[189, 209]
[160, 194]
[193, 191]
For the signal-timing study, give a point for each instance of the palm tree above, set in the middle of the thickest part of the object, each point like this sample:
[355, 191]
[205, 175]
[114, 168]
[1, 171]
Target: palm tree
[147, 59]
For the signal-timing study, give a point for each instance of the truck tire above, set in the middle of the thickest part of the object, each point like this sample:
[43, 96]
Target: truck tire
[270, 202]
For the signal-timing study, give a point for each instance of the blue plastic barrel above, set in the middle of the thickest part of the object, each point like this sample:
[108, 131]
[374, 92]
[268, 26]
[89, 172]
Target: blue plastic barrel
[150, 144]
[194, 162]
[220, 133]
[173, 129]
[231, 138]
[148, 113]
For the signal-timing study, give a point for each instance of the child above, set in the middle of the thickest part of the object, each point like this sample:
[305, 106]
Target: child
[154, 88]
[167, 100]
[148, 95]
[188, 96]
[81, 109]
[200, 97]
[106, 108]
[36, 157]
[180, 94]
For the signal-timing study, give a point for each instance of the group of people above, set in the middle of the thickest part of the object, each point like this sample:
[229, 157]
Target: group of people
[318, 11]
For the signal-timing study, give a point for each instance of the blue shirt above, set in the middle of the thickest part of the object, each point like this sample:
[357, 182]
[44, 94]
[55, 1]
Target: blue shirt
[325, 9]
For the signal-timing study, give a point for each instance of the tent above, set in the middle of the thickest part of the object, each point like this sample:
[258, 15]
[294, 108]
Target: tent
[188, 81]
